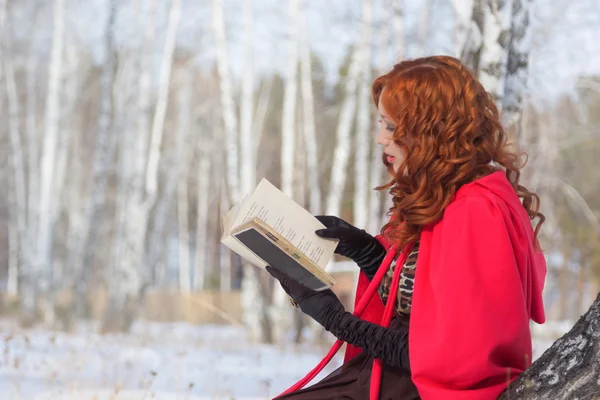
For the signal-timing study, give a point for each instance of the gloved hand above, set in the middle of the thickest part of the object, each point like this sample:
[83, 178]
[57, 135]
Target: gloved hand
[323, 306]
[356, 244]
[390, 345]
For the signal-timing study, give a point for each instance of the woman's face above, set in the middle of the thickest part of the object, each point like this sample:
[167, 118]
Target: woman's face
[395, 155]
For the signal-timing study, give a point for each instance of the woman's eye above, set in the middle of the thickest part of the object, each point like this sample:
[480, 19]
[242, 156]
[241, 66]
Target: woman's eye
[390, 129]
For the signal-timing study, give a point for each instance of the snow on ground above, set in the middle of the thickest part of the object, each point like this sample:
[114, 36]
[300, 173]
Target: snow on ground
[160, 361]
[155, 361]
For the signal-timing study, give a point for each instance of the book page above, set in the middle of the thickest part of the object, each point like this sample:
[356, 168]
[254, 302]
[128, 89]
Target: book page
[287, 218]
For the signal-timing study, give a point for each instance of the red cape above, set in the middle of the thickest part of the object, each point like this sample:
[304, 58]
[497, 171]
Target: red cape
[478, 283]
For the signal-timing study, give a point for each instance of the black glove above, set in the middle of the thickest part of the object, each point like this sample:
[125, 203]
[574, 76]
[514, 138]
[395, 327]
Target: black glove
[389, 345]
[322, 306]
[356, 244]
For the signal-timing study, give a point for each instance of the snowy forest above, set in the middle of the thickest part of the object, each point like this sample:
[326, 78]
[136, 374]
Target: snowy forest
[131, 126]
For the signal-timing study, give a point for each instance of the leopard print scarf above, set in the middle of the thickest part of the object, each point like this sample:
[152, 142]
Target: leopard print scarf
[406, 285]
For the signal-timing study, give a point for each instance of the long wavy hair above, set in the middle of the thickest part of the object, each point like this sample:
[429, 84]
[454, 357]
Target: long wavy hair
[455, 137]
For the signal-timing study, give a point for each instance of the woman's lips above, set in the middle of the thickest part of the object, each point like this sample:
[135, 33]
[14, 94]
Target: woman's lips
[391, 159]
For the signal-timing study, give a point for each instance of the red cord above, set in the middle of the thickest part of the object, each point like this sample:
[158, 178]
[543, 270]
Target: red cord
[387, 318]
[358, 310]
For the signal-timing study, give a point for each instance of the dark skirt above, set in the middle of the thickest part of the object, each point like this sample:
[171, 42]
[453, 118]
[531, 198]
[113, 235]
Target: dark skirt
[353, 379]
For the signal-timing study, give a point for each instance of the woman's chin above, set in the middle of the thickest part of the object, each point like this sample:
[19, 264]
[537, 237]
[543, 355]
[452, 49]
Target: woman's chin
[396, 167]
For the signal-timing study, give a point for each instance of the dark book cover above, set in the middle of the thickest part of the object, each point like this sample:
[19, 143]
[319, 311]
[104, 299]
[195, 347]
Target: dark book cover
[274, 256]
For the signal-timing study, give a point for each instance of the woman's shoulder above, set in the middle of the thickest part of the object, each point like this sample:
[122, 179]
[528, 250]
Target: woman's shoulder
[475, 203]
[491, 195]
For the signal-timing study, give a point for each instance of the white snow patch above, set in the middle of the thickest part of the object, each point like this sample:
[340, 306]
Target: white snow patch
[154, 361]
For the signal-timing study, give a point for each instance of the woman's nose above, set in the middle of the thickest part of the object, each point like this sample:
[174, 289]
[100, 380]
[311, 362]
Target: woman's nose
[382, 138]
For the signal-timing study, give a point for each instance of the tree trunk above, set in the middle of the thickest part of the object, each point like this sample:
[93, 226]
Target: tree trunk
[162, 101]
[19, 202]
[473, 45]
[569, 369]
[519, 48]
[288, 126]
[185, 279]
[12, 275]
[342, 151]
[363, 126]
[227, 104]
[136, 224]
[71, 81]
[226, 259]
[423, 30]
[563, 284]
[496, 33]
[42, 270]
[16, 192]
[300, 167]
[399, 47]
[32, 140]
[202, 196]
[156, 261]
[103, 154]
[288, 154]
[247, 145]
[308, 123]
[261, 112]
[252, 301]
[377, 168]
[125, 101]
[129, 279]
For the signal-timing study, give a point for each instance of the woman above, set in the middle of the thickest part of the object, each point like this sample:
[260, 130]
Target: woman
[470, 273]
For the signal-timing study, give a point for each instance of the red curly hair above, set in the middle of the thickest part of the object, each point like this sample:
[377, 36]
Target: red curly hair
[456, 137]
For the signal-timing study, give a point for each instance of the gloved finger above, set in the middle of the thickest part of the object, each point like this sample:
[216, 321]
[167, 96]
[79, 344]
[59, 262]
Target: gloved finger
[292, 287]
[328, 220]
[282, 277]
[337, 232]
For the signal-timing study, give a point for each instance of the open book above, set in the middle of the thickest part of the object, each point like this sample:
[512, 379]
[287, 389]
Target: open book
[269, 228]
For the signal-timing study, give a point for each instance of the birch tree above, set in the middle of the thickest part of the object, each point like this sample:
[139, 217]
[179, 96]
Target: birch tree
[125, 100]
[258, 123]
[162, 101]
[342, 150]
[62, 272]
[135, 225]
[156, 261]
[486, 49]
[154, 152]
[183, 127]
[129, 279]
[247, 146]
[32, 135]
[288, 153]
[363, 118]
[492, 63]
[308, 123]
[204, 149]
[398, 30]
[519, 48]
[18, 204]
[227, 104]
[423, 30]
[391, 33]
[288, 128]
[473, 45]
[103, 155]
[253, 302]
[47, 197]
[568, 369]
